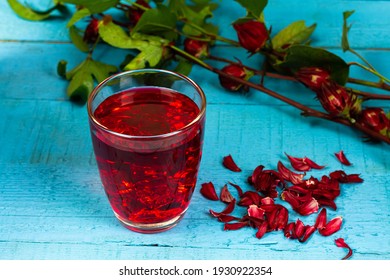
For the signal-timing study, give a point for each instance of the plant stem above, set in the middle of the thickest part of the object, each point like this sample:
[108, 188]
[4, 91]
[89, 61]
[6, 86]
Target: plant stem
[362, 58]
[380, 85]
[373, 71]
[306, 111]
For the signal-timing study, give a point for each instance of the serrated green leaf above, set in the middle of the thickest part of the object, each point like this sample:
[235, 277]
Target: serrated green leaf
[299, 56]
[115, 36]
[150, 56]
[254, 7]
[198, 19]
[155, 21]
[27, 13]
[77, 39]
[295, 33]
[346, 28]
[82, 78]
[78, 15]
[94, 6]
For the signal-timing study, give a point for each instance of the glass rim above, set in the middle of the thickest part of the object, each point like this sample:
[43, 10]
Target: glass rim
[97, 89]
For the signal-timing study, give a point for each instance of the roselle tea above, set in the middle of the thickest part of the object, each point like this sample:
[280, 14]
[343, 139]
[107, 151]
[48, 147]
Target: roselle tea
[148, 146]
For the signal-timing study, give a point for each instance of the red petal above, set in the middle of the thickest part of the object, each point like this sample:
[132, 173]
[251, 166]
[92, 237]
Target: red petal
[250, 197]
[342, 158]
[277, 219]
[309, 230]
[227, 218]
[312, 164]
[235, 226]
[341, 243]
[261, 230]
[299, 228]
[309, 207]
[333, 226]
[208, 191]
[343, 177]
[229, 209]
[255, 211]
[226, 196]
[239, 190]
[321, 219]
[290, 176]
[229, 163]
[289, 231]
[303, 164]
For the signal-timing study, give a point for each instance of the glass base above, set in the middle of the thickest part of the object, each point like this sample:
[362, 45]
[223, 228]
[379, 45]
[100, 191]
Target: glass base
[151, 228]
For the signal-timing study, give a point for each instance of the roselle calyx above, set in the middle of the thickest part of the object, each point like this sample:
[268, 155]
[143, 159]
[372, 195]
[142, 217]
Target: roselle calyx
[342, 244]
[197, 48]
[342, 158]
[230, 164]
[238, 71]
[252, 35]
[338, 101]
[91, 33]
[313, 77]
[375, 119]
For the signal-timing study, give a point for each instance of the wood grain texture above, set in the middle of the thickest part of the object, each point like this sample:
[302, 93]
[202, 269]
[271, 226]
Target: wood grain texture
[52, 205]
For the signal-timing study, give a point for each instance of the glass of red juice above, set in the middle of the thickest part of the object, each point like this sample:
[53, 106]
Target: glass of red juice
[147, 130]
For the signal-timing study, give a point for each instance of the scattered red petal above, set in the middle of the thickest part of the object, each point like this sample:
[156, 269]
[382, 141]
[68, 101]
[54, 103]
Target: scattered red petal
[225, 218]
[321, 219]
[255, 211]
[208, 191]
[228, 209]
[290, 176]
[229, 163]
[343, 177]
[341, 243]
[333, 226]
[342, 158]
[238, 188]
[303, 164]
[261, 230]
[226, 196]
[309, 230]
[235, 226]
[250, 197]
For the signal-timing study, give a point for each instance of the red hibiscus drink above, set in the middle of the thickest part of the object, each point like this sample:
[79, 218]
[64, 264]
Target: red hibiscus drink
[147, 131]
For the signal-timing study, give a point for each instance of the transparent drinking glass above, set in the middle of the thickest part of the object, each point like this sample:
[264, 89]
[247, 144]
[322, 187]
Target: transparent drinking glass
[147, 129]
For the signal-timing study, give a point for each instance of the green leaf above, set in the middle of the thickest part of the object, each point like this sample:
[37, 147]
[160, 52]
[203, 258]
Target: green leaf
[254, 7]
[26, 12]
[299, 56]
[296, 33]
[94, 6]
[79, 14]
[184, 67]
[115, 36]
[198, 19]
[77, 39]
[150, 56]
[83, 75]
[346, 28]
[155, 21]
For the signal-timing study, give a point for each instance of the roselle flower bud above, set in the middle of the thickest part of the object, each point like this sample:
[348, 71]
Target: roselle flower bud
[234, 70]
[91, 33]
[252, 35]
[313, 77]
[337, 101]
[197, 48]
[375, 119]
[135, 13]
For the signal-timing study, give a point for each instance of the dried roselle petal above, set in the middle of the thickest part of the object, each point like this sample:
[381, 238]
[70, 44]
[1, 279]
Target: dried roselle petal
[225, 218]
[304, 205]
[255, 211]
[342, 158]
[238, 188]
[261, 230]
[343, 177]
[266, 181]
[333, 226]
[321, 219]
[250, 197]
[308, 231]
[267, 201]
[303, 164]
[228, 209]
[289, 230]
[326, 203]
[208, 191]
[277, 218]
[299, 228]
[235, 226]
[225, 195]
[341, 243]
[309, 207]
[230, 164]
[288, 175]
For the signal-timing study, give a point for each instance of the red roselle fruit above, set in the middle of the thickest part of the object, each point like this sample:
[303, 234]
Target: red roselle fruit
[313, 77]
[136, 13]
[337, 101]
[197, 48]
[238, 71]
[376, 120]
[91, 33]
[252, 35]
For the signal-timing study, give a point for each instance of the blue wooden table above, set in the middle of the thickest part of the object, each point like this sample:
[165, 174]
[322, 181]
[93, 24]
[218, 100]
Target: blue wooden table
[52, 205]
